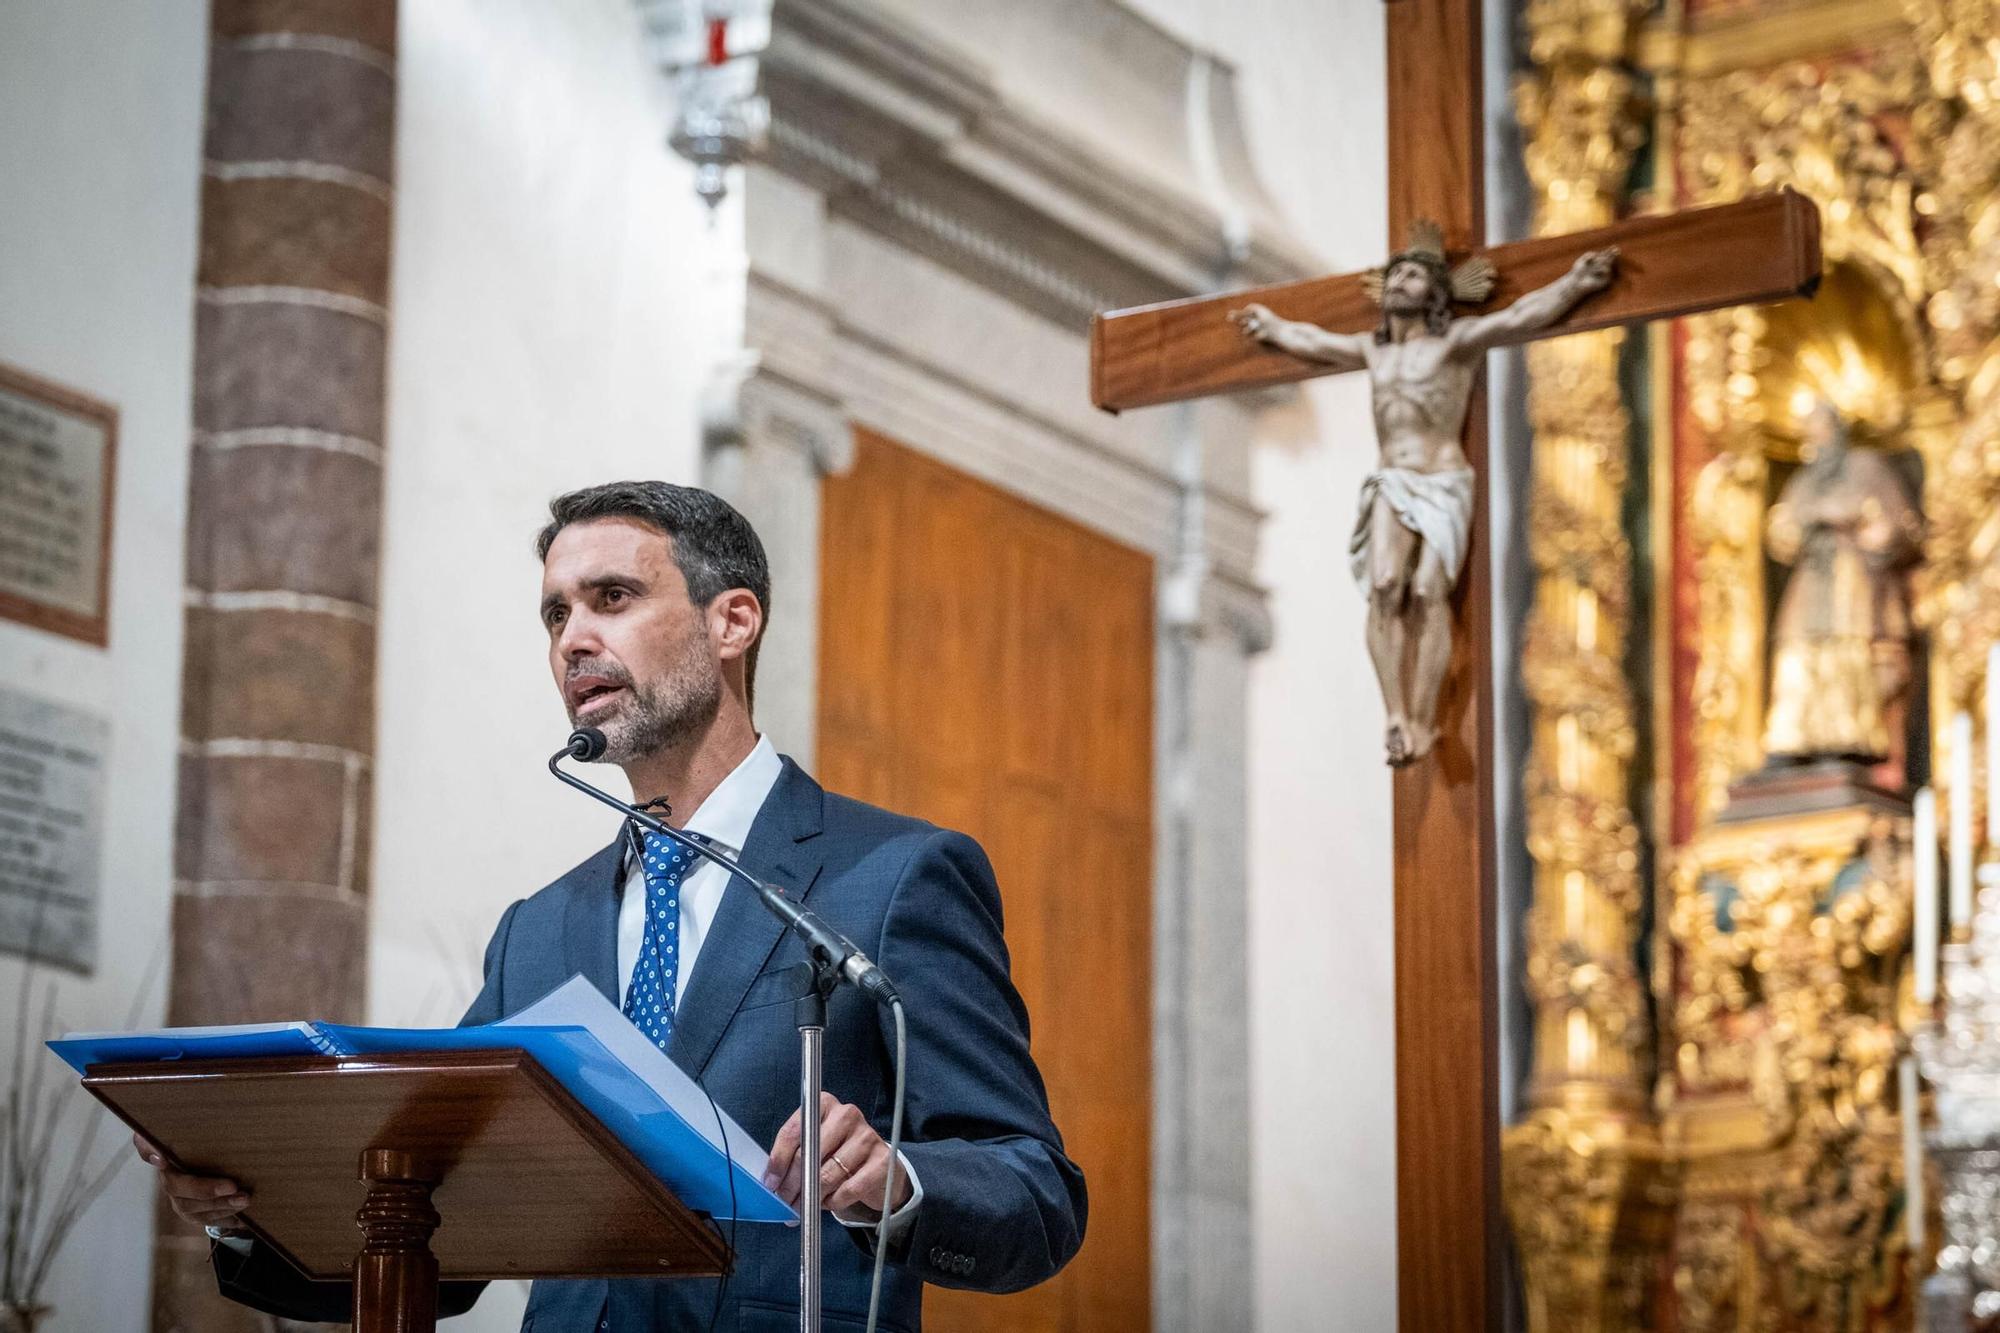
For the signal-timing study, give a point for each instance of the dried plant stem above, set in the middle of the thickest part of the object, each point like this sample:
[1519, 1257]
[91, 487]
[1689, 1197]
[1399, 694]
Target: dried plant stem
[42, 1201]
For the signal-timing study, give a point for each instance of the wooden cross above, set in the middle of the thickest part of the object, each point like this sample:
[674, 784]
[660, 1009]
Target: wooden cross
[1450, 1244]
[1669, 265]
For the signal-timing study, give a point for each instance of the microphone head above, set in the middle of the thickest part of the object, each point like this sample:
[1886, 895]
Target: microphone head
[587, 745]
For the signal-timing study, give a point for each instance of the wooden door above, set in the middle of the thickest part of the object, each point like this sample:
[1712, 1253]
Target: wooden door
[988, 666]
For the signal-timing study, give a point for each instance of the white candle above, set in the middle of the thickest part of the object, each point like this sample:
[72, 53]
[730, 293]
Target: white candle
[1913, 1153]
[1924, 910]
[1993, 746]
[1961, 820]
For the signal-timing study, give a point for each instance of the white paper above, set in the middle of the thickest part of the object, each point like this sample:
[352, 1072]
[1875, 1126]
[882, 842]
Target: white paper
[578, 1004]
[193, 1034]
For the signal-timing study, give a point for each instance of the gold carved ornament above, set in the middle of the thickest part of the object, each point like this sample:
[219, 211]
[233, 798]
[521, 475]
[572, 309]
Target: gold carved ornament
[1581, 1170]
[1956, 132]
[1785, 995]
[1583, 123]
[1709, 1267]
[1819, 130]
[1793, 940]
[1781, 1001]
[1725, 515]
[1588, 1209]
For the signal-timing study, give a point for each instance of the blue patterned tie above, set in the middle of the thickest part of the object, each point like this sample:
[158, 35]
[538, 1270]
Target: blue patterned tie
[649, 999]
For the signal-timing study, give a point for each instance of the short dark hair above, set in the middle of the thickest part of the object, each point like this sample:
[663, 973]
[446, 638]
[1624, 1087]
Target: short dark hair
[714, 547]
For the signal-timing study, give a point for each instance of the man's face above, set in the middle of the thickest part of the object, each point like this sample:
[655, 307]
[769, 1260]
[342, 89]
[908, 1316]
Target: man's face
[1406, 288]
[631, 654]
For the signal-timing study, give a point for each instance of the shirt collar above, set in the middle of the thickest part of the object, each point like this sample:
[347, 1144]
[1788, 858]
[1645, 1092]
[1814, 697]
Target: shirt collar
[726, 816]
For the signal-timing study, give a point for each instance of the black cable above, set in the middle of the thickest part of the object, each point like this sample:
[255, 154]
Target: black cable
[728, 1165]
[889, 1185]
[588, 744]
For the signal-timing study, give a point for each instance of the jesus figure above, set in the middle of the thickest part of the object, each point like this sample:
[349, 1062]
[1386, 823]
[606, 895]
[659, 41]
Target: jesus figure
[1414, 527]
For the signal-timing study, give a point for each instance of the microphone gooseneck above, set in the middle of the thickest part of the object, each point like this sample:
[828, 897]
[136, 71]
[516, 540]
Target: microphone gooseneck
[833, 950]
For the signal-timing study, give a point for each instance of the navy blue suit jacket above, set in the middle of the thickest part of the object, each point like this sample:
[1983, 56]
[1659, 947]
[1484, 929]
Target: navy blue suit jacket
[1003, 1208]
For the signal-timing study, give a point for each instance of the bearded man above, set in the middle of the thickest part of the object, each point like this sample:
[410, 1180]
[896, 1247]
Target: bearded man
[1414, 528]
[654, 598]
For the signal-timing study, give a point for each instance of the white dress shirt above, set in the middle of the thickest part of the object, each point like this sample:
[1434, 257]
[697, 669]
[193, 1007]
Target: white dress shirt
[724, 819]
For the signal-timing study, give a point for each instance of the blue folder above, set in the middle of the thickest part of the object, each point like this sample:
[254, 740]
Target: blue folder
[641, 1096]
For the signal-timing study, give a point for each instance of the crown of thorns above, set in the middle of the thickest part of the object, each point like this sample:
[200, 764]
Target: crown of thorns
[1471, 282]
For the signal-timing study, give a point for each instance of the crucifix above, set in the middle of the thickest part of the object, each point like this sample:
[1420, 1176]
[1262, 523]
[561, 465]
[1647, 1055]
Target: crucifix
[1448, 1217]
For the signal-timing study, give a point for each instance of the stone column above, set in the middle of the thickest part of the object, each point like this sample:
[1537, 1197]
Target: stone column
[767, 443]
[278, 691]
[1582, 1166]
[1210, 625]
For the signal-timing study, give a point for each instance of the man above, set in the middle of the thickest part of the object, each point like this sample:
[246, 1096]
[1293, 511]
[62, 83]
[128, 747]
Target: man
[1414, 529]
[654, 598]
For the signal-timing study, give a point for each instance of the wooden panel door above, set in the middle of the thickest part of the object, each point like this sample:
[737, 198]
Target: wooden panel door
[988, 666]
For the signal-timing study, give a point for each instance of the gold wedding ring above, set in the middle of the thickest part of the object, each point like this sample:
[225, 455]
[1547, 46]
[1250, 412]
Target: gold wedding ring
[845, 1169]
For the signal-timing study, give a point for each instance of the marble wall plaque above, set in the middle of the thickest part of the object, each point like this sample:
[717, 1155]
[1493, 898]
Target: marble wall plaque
[52, 767]
[56, 453]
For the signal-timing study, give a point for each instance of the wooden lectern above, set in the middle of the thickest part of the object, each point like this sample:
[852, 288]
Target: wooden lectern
[472, 1164]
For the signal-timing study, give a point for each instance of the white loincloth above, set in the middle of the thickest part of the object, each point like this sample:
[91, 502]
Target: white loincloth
[1437, 506]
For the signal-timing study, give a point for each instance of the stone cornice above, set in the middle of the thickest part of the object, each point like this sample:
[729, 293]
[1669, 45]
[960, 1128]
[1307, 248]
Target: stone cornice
[745, 398]
[914, 136]
[824, 371]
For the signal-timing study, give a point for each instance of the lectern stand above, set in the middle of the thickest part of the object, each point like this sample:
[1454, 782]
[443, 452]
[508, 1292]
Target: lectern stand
[451, 1164]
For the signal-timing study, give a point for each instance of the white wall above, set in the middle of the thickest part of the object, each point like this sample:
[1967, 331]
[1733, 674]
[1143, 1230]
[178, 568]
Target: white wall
[102, 104]
[557, 293]
[1322, 1005]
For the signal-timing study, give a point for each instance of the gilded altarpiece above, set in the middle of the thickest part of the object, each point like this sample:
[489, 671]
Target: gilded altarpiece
[1711, 1128]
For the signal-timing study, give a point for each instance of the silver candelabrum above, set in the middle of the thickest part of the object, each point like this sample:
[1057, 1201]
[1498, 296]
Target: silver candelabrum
[1958, 1053]
[711, 54]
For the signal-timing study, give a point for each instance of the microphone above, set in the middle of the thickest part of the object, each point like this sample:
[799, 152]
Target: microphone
[833, 950]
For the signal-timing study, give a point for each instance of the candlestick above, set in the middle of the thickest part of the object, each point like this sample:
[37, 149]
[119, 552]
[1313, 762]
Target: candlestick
[1961, 820]
[1924, 911]
[1911, 1109]
[1993, 745]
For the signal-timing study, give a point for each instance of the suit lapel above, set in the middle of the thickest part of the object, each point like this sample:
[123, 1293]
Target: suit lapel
[743, 934]
[590, 921]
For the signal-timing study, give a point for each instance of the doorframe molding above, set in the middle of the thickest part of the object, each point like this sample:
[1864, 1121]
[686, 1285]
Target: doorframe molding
[988, 375]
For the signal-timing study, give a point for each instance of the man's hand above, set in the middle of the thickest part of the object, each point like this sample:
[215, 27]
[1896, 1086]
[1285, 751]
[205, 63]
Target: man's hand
[1256, 321]
[203, 1200]
[854, 1162]
[1593, 269]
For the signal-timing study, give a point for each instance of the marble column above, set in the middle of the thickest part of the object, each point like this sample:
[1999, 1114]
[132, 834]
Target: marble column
[1210, 626]
[767, 443]
[1582, 1166]
[278, 691]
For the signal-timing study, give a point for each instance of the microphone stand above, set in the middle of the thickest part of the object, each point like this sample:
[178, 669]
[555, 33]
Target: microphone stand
[833, 957]
[810, 1014]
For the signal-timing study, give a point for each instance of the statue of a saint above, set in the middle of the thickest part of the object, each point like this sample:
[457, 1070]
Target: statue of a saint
[1414, 529]
[1840, 646]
